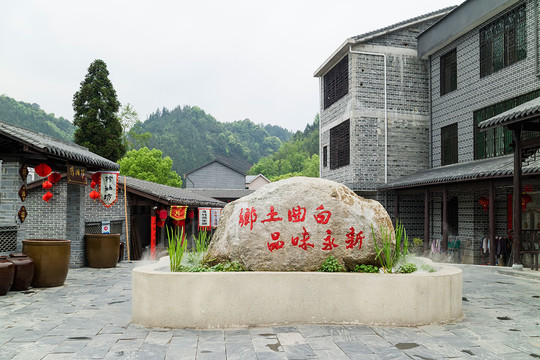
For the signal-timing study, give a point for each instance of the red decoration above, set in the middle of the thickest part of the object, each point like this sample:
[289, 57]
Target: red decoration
[162, 214]
[178, 212]
[179, 222]
[96, 177]
[160, 223]
[484, 201]
[43, 170]
[47, 185]
[93, 184]
[47, 196]
[525, 199]
[191, 214]
[94, 194]
[54, 177]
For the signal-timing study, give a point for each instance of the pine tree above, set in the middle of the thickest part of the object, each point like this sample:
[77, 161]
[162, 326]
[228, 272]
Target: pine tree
[96, 107]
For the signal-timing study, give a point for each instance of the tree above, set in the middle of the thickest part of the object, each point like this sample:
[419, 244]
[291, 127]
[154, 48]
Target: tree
[96, 107]
[149, 165]
[132, 135]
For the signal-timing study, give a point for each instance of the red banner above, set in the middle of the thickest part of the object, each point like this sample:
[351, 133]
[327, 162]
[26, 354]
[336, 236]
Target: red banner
[178, 212]
[153, 237]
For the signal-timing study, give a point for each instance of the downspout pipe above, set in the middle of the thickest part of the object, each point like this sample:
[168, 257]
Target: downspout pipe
[385, 108]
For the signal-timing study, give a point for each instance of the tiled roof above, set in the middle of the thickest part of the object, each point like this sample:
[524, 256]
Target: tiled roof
[223, 193]
[251, 178]
[171, 195]
[502, 166]
[52, 147]
[530, 108]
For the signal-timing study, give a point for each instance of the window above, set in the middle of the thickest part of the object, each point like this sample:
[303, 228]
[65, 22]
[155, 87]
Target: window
[498, 141]
[336, 82]
[325, 156]
[449, 144]
[503, 42]
[339, 145]
[448, 72]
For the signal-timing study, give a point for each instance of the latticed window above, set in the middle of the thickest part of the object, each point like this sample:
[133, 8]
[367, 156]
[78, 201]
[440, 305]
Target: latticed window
[497, 141]
[449, 144]
[503, 42]
[336, 82]
[448, 72]
[339, 145]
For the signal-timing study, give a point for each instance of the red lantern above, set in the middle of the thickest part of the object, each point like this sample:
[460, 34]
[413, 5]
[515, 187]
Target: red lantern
[47, 185]
[484, 201]
[191, 214]
[94, 194]
[525, 199]
[179, 222]
[43, 170]
[47, 196]
[54, 177]
[93, 184]
[162, 213]
[96, 177]
[160, 223]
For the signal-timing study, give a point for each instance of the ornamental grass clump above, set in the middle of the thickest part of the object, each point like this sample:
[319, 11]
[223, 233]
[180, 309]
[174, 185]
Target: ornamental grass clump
[391, 252]
[177, 247]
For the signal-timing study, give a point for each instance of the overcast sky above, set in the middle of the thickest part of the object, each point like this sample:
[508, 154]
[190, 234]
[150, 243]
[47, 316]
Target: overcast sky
[235, 59]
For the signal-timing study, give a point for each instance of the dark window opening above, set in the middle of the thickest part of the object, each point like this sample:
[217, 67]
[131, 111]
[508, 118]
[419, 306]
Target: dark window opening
[503, 42]
[336, 82]
[339, 145]
[498, 141]
[325, 156]
[449, 144]
[452, 216]
[448, 72]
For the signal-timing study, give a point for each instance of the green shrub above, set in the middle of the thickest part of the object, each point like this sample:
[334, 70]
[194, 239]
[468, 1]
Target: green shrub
[331, 264]
[428, 268]
[418, 242]
[407, 268]
[390, 253]
[177, 247]
[364, 268]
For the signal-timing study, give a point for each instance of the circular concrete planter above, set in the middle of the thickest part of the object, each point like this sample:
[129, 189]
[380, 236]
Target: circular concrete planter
[51, 260]
[102, 250]
[233, 299]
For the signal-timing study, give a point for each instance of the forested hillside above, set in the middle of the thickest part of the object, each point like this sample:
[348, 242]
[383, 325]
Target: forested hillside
[30, 116]
[192, 137]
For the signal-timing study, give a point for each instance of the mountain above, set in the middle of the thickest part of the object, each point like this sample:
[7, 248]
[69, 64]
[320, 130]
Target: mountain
[32, 117]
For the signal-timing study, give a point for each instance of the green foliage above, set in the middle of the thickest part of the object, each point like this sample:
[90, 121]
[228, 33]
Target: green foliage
[331, 264]
[391, 252]
[202, 241]
[228, 266]
[149, 165]
[428, 268]
[407, 268]
[132, 135]
[418, 242]
[177, 247]
[96, 107]
[365, 268]
[32, 117]
[298, 157]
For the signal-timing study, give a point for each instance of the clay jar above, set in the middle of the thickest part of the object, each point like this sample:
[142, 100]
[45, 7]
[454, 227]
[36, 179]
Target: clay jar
[7, 271]
[24, 271]
[51, 260]
[102, 250]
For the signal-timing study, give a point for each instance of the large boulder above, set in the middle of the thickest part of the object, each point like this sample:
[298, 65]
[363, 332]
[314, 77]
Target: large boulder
[295, 224]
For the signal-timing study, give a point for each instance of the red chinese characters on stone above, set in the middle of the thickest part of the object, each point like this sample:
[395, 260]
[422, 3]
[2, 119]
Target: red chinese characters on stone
[276, 244]
[272, 216]
[297, 214]
[323, 216]
[248, 218]
[353, 240]
[328, 243]
[303, 243]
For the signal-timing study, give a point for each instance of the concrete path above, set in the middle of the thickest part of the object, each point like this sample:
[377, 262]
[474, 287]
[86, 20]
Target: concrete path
[89, 318]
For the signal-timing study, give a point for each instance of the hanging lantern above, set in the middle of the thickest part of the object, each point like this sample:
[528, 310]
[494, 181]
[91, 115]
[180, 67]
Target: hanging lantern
[160, 223]
[93, 184]
[191, 214]
[43, 170]
[47, 185]
[162, 213]
[47, 196]
[525, 199]
[94, 195]
[484, 201]
[96, 177]
[54, 177]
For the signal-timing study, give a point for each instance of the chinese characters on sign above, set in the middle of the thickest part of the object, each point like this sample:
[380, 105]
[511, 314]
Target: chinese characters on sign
[215, 216]
[248, 218]
[76, 174]
[108, 187]
[204, 218]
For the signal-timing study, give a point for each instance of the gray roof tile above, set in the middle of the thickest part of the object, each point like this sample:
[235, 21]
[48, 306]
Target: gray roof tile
[515, 114]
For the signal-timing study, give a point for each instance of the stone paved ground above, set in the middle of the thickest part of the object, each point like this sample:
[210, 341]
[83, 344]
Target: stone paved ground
[90, 316]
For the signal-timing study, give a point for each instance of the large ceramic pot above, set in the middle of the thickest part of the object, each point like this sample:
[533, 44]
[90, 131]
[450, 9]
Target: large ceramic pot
[24, 271]
[7, 271]
[102, 250]
[51, 260]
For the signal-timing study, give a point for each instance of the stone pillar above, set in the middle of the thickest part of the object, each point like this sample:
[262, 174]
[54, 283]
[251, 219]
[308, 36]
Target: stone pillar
[75, 212]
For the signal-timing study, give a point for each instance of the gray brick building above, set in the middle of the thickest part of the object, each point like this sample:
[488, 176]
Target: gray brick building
[481, 59]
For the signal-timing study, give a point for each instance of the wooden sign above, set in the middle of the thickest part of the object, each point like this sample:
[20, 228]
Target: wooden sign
[23, 171]
[23, 192]
[22, 214]
[76, 174]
